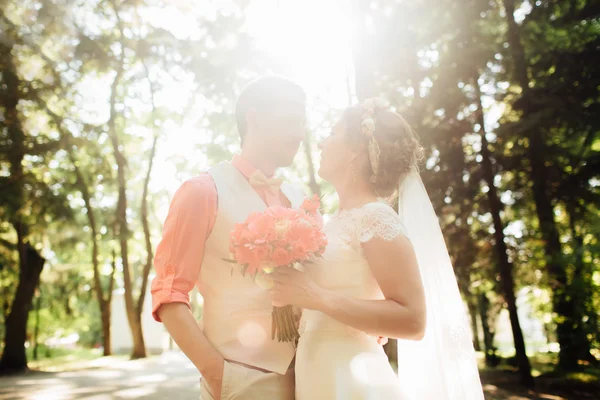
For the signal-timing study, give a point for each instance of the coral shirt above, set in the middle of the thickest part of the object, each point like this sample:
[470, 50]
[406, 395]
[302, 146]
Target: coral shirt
[190, 220]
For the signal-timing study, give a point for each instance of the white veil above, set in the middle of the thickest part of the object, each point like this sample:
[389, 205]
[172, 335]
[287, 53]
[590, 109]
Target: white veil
[442, 366]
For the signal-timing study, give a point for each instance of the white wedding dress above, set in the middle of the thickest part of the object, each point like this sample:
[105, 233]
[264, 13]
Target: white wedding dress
[333, 360]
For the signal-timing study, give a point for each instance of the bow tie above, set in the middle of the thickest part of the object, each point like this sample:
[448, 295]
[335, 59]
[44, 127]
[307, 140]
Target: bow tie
[258, 180]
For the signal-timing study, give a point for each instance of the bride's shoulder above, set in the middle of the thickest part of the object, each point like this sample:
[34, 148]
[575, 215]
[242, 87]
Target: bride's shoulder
[360, 225]
[379, 220]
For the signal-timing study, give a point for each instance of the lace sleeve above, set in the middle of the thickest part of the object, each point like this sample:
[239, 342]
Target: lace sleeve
[379, 220]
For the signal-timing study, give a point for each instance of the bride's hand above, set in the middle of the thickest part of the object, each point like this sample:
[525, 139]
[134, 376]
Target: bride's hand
[296, 288]
[292, 287]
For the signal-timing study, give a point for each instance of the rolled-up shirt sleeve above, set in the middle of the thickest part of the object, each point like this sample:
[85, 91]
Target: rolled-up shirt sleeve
[179, 254]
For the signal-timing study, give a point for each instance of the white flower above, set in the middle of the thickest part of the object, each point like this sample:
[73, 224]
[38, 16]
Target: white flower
[282, 227]
[369, 124]
[369, 104]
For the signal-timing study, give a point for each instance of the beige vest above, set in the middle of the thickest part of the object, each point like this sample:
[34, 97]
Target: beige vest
[237, 313]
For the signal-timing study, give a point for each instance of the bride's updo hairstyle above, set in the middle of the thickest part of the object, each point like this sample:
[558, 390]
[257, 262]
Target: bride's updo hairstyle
[391, 145]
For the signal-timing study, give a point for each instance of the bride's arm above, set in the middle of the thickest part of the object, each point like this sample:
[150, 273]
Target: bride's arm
[402, 313]
[394, 265]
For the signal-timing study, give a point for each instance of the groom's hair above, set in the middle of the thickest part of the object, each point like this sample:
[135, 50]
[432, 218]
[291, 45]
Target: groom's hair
[263, 94]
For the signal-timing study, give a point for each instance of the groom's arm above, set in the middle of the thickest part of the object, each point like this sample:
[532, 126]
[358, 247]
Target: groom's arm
[185, 331]
[177, 262]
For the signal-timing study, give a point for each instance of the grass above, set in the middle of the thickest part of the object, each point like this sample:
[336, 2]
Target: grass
[502, 382]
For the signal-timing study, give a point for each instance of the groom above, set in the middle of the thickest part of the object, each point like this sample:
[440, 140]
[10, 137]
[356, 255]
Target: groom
[233, 350]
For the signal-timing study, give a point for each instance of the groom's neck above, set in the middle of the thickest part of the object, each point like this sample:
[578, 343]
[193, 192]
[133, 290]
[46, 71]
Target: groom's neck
[259, 161]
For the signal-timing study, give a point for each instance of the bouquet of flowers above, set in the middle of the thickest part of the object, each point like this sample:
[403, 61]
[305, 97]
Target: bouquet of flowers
[276, 238]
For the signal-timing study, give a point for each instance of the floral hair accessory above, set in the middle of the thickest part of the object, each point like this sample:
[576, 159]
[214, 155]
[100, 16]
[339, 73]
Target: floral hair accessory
[368, 129]
[368, 126]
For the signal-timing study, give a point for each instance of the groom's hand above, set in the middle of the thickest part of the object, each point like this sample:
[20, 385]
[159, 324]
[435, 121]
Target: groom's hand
[190, 338]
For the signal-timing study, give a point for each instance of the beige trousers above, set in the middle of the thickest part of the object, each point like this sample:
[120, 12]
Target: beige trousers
[241, 383]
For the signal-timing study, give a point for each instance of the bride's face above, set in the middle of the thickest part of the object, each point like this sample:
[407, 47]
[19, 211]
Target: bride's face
[336, 155]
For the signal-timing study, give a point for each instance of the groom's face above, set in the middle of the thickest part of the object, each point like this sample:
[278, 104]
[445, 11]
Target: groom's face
[281, 130]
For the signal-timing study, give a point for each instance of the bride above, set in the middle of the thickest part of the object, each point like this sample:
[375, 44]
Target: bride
[383, 274]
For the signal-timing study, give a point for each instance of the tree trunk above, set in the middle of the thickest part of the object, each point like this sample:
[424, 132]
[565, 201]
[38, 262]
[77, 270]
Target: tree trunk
[139, 346]
[147, 236]
[103, 301]
[580, 289]
[36, 329]
[144, 206]
[107, 312]
[31, 263]
[491, 358]
[504, 265]
[473, 313]
[4, 306]
[106, 340]
[565, 309]
[138, 350]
